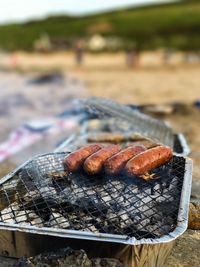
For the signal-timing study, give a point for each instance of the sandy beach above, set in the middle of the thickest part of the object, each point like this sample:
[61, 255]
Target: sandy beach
[108, 76]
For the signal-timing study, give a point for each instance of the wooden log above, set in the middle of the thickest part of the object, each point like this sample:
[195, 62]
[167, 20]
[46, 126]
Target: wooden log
[194, 215]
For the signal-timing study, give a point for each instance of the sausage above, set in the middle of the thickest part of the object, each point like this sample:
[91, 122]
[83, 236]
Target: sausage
[146, 143]
[75, 160]
[113, 138]
[148, 160]
[117, 162]
[94, 163]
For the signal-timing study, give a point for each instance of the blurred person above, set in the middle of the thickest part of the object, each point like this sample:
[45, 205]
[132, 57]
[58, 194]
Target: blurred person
[168, 53]
[132, 58]
[13, 61]
[79, 52]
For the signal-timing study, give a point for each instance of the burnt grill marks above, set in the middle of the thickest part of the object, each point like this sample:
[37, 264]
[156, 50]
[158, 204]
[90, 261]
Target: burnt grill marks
[99, 204]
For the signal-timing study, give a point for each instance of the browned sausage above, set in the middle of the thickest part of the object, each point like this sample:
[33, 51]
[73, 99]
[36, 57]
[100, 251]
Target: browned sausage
[104, 137]
[94, 163]
[76, 159]
[148, 160]
[117, 162]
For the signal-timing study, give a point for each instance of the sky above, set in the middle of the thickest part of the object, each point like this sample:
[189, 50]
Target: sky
[24, 10]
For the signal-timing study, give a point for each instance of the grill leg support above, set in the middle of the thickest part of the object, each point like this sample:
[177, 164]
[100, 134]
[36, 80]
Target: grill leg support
[19, 244]
[145, 255]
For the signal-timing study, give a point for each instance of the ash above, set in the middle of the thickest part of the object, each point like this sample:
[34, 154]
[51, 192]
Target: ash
[46, 196]
[67, 257]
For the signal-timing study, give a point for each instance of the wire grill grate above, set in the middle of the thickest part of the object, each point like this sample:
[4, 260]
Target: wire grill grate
[41, 194]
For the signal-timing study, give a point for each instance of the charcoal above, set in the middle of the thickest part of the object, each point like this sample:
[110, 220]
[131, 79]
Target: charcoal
[108, 204]
[11, 184]
[124, 219]
[22, 262]
[21, 216]
[66, 257]
[92, 228]
[13, 214]
[48, 192]
[37, 222]
[8, 193]
[60, 258]
[27, 182]
[7, 219]
[41, 207]
[60, 180]
[7, 196]
[57, 220]
[92, 205]
[106, 198]
[22, 199]
[9, 214]
[69, 196]
[30, 215]
[32, 178]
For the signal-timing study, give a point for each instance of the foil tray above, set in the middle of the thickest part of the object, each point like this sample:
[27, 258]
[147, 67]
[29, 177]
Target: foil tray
[136, 121]
[181, 223]
[181, 146]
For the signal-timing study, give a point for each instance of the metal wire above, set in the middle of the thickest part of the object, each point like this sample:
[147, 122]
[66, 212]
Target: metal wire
[46, 196]
[154, 129]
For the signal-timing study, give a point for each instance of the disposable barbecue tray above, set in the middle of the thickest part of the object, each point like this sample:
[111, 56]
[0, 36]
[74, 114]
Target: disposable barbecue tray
[155, 129]
[39, 197]
[113, 125]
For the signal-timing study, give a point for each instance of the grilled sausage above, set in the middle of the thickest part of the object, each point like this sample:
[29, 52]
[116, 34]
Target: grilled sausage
[148, 160]
[146, 143]
[94, 163]
[104, 137]
[117, 162]
[75, 160]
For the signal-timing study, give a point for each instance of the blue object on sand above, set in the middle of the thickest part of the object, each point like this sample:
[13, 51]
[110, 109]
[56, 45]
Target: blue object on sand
[197, 103]
[39, 125]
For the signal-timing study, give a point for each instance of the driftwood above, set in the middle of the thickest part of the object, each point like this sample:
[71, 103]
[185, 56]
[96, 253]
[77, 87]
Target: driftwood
[194, 215]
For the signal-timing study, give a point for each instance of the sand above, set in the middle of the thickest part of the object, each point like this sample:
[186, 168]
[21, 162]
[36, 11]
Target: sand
[153, 83]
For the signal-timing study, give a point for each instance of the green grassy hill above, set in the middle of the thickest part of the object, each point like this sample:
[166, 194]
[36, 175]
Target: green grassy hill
[170, 25]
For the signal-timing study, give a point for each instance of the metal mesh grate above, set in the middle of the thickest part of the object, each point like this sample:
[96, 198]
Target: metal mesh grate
[178, 147]
[139, 122]
[43, 195]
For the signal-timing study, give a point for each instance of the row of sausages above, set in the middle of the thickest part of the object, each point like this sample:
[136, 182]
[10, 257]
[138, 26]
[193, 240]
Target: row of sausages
[134, 160]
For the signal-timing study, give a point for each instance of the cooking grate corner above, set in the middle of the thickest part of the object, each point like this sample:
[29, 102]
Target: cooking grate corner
[42, 195]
